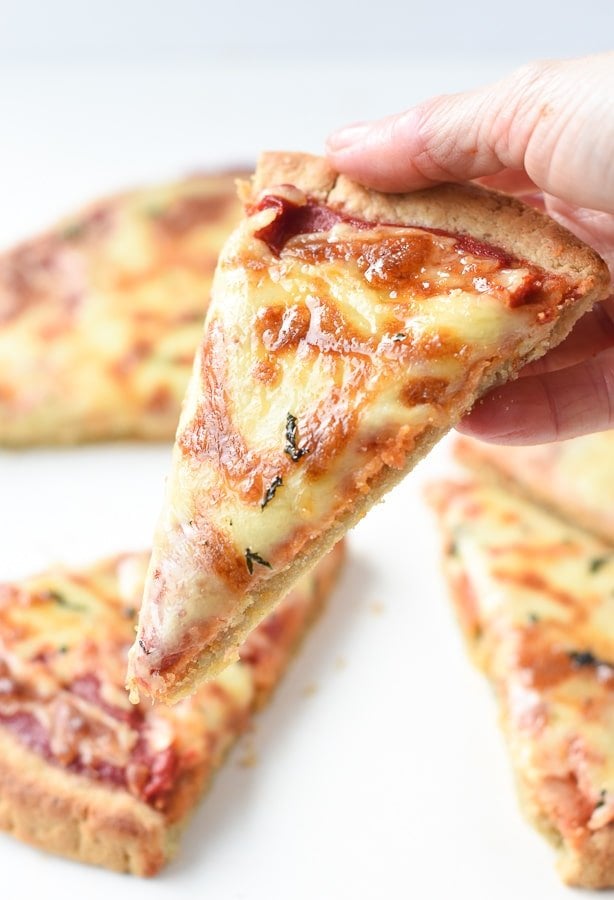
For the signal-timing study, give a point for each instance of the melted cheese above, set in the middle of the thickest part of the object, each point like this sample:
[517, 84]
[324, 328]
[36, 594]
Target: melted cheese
[370, 338]
[100, 318]
[573, 476]
[537, 597]
[64, 637]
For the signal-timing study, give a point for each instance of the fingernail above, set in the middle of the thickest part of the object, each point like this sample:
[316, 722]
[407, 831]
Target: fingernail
[345, 137]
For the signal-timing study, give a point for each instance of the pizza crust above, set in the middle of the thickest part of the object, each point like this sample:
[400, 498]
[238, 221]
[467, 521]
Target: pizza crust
[497, 218]
[70, 815]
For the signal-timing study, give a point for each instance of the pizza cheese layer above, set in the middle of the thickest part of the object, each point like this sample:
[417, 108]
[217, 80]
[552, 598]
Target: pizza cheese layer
[335, 351]
[100, 317]
[64, 638]
[535, 597]
[573, 477]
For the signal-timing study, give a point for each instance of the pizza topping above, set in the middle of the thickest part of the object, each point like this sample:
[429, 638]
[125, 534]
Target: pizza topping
[294, 216]
[598, 562]
[252, 557]
[270, 491]
[292, 449]
[292, 219]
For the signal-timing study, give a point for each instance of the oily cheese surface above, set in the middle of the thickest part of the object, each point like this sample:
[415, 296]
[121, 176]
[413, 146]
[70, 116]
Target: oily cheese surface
[573, 477]
[101, 316]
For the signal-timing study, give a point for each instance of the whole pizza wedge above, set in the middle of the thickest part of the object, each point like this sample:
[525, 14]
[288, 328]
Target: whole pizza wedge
[85, 774]
[348, 331]
[535, 598]
[101, 316]
[574, 478]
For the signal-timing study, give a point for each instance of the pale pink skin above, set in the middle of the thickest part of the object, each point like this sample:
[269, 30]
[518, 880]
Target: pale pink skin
[546, 133]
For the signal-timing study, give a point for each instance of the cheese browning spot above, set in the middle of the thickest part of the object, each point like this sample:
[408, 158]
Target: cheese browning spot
[252, 557]
[294, 452]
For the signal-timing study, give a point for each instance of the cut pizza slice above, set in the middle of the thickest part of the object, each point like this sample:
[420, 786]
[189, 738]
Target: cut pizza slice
[100, 318]
[573, 477]
[85, 774]
[535, 598]
[348, 331]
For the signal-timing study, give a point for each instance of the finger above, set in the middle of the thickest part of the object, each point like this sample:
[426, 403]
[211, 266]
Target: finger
[510, 181]
[555, 121]
[592, 334]
[551, 407]
[592, 226]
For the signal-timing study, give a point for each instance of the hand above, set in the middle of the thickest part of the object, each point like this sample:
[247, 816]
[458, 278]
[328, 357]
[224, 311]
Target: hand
[545, 133]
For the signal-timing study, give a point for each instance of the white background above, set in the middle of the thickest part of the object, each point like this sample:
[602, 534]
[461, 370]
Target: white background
[380, 770]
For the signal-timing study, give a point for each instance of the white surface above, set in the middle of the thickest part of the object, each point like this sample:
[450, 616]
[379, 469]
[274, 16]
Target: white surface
[156, 30]
[381, 772]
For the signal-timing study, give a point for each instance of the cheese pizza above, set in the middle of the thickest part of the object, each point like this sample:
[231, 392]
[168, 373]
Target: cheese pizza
[535, 598]
[85, 774]
[101, 316]
[572, 477]
[348, 331]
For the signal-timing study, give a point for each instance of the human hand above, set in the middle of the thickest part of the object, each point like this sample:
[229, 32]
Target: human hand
[545, 133]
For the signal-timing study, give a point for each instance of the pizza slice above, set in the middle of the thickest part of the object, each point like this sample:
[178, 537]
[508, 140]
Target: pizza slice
[572, 477]
[535, 598]
[101, 316]
[85, 774]
[348, 331]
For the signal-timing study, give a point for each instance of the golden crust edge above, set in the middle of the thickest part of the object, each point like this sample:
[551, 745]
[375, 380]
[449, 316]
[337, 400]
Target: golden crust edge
[67, 814]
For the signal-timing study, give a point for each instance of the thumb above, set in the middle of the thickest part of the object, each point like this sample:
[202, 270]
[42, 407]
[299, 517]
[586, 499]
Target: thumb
[552, 120]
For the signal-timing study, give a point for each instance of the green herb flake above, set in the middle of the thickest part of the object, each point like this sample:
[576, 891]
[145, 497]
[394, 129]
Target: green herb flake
[581, 658]
[144, 648]
[62, 600]
[602, 796]
[292, 449]
[155, 210]
[597, 563]
[129, 612]
[63, 648]
[270, 491]
[72, 231]
[252, 557]
[398, 337]
[533, 618]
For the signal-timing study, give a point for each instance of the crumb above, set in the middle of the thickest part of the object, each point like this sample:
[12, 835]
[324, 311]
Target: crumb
[377, 608]
[340, 663]
[249, 757]
[310, 689]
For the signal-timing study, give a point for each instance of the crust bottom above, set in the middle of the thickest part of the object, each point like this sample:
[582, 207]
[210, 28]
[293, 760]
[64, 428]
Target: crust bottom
[72, 816]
